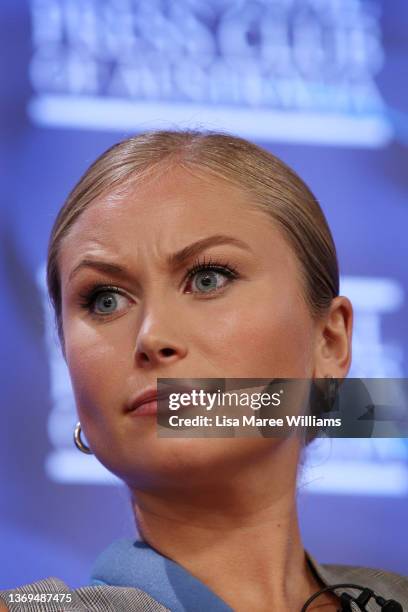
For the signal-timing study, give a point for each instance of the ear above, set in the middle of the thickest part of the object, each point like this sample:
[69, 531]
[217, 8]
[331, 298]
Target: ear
[333, 340]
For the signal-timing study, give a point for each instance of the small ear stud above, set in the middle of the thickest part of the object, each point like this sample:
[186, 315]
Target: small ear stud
[331, 390]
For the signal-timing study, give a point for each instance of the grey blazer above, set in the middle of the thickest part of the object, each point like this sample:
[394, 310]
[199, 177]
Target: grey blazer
[127, 599]
[387, 584]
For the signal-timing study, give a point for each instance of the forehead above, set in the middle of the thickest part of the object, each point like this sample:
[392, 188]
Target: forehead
[179, 194]
[166, 212]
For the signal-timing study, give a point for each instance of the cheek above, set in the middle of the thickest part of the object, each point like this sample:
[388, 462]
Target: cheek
[267, 337]
[96, 370]
[282, 339]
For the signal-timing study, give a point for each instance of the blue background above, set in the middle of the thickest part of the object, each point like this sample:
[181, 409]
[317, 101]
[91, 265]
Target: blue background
[59, 508]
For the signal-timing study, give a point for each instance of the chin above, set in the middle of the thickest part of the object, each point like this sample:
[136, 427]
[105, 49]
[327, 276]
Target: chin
[178, 463]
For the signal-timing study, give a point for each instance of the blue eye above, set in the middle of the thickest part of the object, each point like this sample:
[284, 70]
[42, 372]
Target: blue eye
[206, 274]
[206, 280]
[102, 300]
[107, 300]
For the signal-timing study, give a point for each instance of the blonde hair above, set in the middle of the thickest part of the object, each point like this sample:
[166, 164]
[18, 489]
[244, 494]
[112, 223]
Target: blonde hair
[271, 185]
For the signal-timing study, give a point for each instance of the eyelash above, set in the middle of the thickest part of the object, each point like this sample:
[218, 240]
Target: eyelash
[89, 297]
[212, 264]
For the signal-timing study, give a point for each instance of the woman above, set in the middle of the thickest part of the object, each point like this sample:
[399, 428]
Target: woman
[191, 254]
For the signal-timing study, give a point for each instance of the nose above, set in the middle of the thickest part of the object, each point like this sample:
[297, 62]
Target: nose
[158, 345]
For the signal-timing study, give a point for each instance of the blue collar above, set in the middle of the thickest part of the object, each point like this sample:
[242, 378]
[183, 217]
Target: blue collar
[133, 563]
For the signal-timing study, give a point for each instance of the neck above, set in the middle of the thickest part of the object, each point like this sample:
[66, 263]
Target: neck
[241, 537]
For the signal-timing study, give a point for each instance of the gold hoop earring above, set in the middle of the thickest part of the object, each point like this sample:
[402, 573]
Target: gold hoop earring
[78, 442]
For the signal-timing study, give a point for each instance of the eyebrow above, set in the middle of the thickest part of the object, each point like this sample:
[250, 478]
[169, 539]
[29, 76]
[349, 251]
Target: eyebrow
[174, 261]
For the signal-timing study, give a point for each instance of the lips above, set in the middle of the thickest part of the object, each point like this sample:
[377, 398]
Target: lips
[152, 395]
[145, 398]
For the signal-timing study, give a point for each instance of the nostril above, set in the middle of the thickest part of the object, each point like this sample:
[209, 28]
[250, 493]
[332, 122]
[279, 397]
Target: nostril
[167, 352]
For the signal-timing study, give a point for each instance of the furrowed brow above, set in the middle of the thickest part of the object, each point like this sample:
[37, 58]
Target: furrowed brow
[101, 266]
[175, 261]
[178, 259]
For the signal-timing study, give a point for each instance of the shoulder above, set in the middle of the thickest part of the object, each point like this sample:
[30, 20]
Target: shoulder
[371, 576]
[102, 598]
[389, 585]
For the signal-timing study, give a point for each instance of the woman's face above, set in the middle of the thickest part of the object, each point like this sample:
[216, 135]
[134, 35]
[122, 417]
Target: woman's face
[162, 322]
